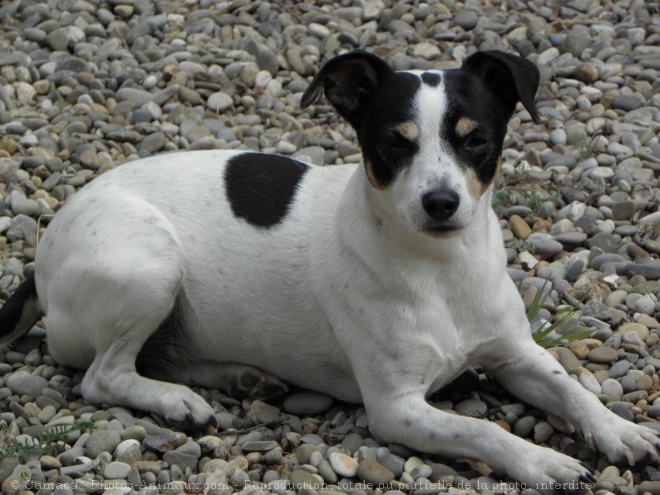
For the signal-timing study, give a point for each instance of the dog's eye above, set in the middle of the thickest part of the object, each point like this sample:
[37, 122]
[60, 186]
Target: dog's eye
[398, 142]
[475, 141]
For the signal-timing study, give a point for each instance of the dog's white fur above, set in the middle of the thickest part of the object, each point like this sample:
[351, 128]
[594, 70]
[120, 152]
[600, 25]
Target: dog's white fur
[329, 299]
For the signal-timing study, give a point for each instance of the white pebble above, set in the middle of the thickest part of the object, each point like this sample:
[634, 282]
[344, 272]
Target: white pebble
[343, 465]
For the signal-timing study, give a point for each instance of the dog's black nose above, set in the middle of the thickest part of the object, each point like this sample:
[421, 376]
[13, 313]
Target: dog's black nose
[441, 203]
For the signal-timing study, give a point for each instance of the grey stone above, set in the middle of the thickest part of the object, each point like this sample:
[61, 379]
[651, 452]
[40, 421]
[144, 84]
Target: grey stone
[626, 102]
[219, 102]
[650, 270]
[307, 402]
[623, 210]
[597, 309]
[472, 407]
[25, 383]
[137, 96]
[466, 19]
[101, 441]
[371, 471]
[577, 40]
[544, 243]
[128, 451]
[612, 389]
[620, 409]
[259, 446]
[184, 461]
[162, 443]
[117, 470]
[602, 354]
[153, 142]
[524, 426]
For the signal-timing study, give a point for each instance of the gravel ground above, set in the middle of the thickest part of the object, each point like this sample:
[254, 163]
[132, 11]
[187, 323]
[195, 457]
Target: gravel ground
[88, 84]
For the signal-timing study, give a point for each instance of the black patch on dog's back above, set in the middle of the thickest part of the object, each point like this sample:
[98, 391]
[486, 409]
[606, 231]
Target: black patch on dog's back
[431, 78]
[260, 187]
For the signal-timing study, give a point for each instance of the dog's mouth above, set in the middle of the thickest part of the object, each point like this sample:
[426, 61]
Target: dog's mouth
[440, 230]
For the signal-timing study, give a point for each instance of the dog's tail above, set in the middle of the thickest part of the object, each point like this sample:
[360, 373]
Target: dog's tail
[21, 312]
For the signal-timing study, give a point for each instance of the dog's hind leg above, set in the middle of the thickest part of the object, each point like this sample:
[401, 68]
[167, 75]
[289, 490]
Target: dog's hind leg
[121, 287]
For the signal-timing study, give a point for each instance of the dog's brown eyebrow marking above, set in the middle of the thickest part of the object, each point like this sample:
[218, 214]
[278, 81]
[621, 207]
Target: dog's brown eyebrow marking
[464, 126]
[408, 130]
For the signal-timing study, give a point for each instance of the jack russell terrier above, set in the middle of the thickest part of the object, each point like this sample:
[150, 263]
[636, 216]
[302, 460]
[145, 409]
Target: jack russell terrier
[376, 283]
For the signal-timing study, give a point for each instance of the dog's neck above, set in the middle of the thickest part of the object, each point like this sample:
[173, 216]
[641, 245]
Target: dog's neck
[369, 220]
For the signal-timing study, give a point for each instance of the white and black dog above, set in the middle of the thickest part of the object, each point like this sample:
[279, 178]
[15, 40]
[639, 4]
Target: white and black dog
[377, 283]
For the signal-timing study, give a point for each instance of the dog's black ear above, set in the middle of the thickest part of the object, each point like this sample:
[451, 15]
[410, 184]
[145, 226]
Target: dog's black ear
[348, 82]
[510, 77]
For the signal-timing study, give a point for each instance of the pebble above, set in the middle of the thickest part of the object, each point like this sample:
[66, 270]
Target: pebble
[307, 402]
[25, 383]
[101, 441]
[219, 102]
[373, 472]
[602, 355]
[343, 465]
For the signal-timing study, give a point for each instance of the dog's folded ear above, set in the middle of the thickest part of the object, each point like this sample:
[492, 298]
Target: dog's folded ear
[348, 81]
[510, 77]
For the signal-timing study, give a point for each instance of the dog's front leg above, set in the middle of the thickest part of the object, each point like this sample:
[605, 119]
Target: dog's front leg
[531, 373]
[398, 412]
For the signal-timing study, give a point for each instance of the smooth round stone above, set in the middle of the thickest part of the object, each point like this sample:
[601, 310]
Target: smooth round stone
[307, 402]
[467, 19]
[619, 369]
[626, 102]
[544, 243]
[612, 389]
[117, 470]
[102, 441]
[372, 471]
[641, 330]
[622, 410]
[558, 137]
[343, 465]
[623, 210]
[25, 383]
[22, 205]
[646, 304]
[259, 446]
[305, 451]
[601, 173]
[524, 426]
[219, 102]
[644, 383]
[543, 431]
[602, 355]
[573, 238]
[128, 452]
[392, 462]
[302, 479]
[650, 270]
[472, 407]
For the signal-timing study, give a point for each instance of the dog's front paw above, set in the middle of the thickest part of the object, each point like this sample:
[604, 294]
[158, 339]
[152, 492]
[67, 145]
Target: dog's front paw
[624, 443]
[548, 471]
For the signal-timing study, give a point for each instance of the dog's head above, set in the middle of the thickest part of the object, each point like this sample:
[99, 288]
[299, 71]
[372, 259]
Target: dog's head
[432, 140]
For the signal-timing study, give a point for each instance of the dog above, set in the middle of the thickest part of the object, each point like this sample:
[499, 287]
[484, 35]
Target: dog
[376, 283]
